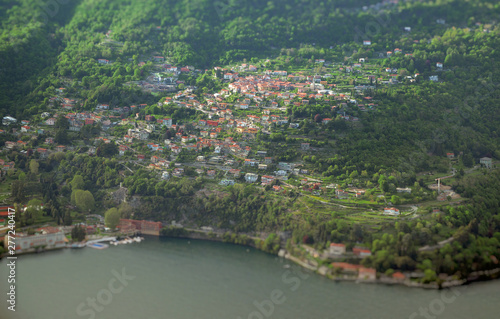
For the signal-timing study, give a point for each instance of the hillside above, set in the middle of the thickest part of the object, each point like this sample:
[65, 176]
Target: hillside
[329, 121]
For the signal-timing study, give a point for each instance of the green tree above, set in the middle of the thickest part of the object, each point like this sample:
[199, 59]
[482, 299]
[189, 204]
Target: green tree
[84, 200]
[383, 183]
[77, 182]
[33, 211]
[34, 167]
[395, 200]
[62, 123]
[78, 233]
[17, 191]
[112, 218]
[61, 136]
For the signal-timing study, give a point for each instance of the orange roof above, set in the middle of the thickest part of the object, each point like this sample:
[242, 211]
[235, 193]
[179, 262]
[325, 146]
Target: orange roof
[336, 245]
[398, 275]
[367, 270]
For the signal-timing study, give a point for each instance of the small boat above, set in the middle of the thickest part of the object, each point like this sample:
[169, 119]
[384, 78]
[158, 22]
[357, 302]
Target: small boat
[98, 246]
[77, 245]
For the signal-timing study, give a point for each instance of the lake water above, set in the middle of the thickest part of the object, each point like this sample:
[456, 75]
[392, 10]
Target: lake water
[182, 279]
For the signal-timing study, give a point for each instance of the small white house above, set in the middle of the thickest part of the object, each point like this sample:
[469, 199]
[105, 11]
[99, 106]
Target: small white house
[391, 211]
[251, 177]
[337, 249]
[8, 120]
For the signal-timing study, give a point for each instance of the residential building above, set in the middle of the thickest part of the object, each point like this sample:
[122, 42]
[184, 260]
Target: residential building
[341, 194]
[141, 226]
[43, 152]
[361, 252]
[367, 273]
[391, 211]
[337, 249]
[266, 179]
[47, 238]
[486, 162]
[251, 177]
[7, 120]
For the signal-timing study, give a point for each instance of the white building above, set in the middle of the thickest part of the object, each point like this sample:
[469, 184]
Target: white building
[166, 122]
[486, 161]
[46, 239]
[337, 249]
[7, 120]
[251, 177]
[280, 173]
[391, 211]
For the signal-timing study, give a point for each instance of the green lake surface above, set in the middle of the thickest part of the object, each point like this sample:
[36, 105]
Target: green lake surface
[162, 278]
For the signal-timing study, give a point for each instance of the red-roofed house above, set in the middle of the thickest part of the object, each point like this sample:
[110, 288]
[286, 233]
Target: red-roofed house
[43, 152]
[398, 276]
[367, 273]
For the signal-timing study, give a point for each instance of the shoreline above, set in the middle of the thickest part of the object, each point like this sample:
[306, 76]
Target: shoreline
[477, 276]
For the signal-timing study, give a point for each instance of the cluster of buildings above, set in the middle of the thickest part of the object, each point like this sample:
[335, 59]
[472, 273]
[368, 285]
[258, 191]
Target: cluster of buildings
[140, 226]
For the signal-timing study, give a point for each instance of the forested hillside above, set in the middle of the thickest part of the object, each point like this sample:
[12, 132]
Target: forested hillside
[40, 44]
[315, 118]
